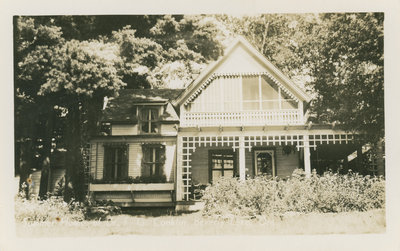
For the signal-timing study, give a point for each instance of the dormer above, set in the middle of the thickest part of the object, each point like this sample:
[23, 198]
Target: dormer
[242, 89]
[142, 112]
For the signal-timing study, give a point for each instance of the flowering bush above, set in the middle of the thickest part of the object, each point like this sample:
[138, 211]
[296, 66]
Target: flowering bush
[331, 192]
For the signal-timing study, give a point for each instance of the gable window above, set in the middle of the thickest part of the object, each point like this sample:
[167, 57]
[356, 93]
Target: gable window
[115, 162]
[242, 93]
[258, 94]
[153, 160]
[222, 163]
[149, 120]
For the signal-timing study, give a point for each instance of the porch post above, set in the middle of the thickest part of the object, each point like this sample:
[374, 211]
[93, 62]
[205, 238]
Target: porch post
[178, 180]
[307, 161]
[242, 161]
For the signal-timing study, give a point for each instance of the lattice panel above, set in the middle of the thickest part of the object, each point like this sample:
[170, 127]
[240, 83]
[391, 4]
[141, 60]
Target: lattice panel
[189, 145]
[323, 139]
[252, 141]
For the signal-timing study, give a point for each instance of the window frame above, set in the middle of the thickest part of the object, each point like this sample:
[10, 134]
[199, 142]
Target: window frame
[158, 166]
[260, 101]
[151, 122]
[272, 152]
[223, 152]
[118, 168]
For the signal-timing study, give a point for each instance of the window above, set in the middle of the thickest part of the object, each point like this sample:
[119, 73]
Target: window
[251, 97]
[153, 160]
[258, 94]
[149, 120]
[264, 162]
[222, 163]
[115, 162]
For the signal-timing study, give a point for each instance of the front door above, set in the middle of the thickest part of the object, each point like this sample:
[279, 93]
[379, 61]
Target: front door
[264, 162]
[222, 163]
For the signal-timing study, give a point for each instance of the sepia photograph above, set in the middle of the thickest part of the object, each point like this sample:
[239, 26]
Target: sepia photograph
[201, 124]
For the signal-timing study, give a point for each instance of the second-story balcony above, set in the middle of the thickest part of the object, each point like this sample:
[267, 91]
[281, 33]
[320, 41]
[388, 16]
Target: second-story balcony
[242, 118]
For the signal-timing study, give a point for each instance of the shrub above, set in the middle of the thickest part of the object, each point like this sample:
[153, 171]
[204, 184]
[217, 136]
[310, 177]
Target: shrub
[331, 192]
[101, 210]
[53, 209]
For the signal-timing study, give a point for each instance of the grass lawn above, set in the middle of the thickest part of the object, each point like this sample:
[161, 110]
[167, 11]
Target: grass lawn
[136, 223]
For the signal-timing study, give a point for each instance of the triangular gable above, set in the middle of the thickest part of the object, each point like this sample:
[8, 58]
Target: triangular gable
[247, 53]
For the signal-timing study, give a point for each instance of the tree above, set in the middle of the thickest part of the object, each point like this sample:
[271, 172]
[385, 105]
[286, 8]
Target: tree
[338, 58]
[65, 65]
[80, 74]
[347, 69]
[175, 49]
[31, 111]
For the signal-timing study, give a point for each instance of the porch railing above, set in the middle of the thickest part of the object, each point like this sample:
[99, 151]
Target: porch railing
[239, 118]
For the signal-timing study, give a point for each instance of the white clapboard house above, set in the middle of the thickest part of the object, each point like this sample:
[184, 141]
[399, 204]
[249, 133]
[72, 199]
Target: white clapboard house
[240, 117]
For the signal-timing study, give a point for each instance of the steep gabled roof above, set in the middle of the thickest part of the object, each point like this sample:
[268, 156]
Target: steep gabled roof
[121, 108]
[274, 73]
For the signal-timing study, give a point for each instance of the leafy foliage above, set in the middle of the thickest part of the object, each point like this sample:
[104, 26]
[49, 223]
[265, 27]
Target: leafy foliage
[262, 195]
[348, 71]
[338, 58]
[53, 209]
[29, 208]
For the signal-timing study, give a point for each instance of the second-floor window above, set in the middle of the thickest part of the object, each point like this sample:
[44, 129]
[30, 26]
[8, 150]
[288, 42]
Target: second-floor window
[246, 93]
[149, 120]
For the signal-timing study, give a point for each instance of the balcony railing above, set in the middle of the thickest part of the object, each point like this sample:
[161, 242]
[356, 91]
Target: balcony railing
[242, 118]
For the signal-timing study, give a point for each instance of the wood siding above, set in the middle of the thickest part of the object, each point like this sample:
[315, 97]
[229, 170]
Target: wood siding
[117, 130]
[249, 163]
[135, 159]
[135, 156]
[170, 161]
[223, 94]
[118, 197]
[100, 161]
[168, 130]
[125, 130]
[240, 61]
[285, 164]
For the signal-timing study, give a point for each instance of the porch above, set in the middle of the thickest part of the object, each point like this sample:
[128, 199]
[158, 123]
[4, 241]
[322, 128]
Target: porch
[206, 153]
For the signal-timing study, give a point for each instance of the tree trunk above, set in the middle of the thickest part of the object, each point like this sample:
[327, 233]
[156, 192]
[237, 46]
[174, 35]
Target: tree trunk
[46, 154]
[74, 177]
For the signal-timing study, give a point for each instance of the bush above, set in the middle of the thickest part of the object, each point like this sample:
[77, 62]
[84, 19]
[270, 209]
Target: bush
[331, 192]
[101, 210]
[53, 209]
